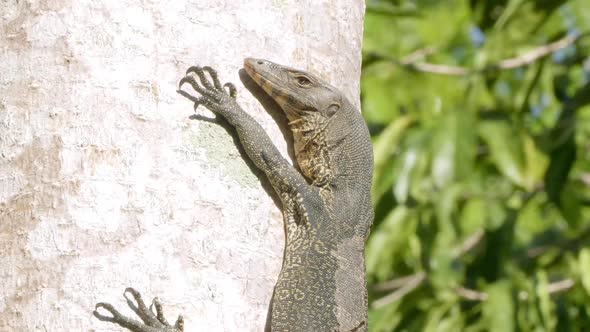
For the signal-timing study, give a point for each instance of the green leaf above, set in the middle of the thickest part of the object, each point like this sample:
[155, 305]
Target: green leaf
[473, 215]
[444, 151]
[536, 164]
[386, 318]
[385, 247]
[453, 147]
[531, 220]
[377, 87]
[562, 161]
[388, 140]
[504, 147]
[443, 319]
[407, 165]
[498, 309]
[497, 214]
[383, 179]
[384, 147]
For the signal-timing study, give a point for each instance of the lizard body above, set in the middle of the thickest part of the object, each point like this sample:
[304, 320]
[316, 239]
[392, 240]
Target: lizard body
[327, 210]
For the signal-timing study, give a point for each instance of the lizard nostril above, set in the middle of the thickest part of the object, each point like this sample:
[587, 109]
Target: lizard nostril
[260, 62]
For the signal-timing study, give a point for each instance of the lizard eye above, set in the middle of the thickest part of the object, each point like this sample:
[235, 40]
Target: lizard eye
[303, 81]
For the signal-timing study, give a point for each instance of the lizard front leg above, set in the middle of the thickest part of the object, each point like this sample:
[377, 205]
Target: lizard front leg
[259, 147]
[151, 322]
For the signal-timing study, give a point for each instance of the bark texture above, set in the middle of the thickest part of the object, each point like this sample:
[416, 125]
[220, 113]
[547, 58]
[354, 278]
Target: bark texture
[106, 183]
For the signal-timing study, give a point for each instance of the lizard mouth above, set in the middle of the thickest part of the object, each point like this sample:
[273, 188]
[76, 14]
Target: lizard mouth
[249, 66]
[261, 71]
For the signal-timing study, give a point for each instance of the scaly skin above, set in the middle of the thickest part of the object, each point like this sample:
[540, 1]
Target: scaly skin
[327, 210]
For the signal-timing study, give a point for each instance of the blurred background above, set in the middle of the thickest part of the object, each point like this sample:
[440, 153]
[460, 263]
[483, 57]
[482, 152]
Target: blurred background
[480, 117]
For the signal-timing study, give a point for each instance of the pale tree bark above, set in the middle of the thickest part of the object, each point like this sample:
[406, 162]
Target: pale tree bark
[106, 183]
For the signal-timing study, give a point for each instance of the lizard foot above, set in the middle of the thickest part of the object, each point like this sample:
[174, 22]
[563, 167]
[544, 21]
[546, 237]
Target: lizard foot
[151, 322]
[213, 94]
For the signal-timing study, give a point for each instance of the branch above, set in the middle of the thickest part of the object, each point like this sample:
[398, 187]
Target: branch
[394, 284]
[471, 294]
[552, 288]
[470, 243]
[439, 69]
[411, 284]
[560, 286]
[537, 53]
[413, 60]
[417, 55]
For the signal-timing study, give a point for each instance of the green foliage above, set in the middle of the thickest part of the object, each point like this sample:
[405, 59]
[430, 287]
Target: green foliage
[481, 130]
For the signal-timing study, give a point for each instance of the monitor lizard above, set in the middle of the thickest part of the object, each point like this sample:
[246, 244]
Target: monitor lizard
[327, 209]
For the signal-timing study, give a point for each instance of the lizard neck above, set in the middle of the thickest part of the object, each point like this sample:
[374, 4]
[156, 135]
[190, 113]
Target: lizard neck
[311, 148]
[328, 152]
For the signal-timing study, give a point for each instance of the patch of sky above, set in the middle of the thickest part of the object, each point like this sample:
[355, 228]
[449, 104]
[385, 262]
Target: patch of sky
[569, 23]
[535, 111]
[562, 55]
[478, 37]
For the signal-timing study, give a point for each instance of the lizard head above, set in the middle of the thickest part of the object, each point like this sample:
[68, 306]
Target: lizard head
[309, 105]
[299, 93]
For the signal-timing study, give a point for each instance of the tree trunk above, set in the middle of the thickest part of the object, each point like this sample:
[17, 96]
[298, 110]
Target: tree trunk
[106, 183]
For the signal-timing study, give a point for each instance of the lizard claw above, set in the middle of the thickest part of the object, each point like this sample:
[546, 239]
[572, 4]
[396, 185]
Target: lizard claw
[213, 94]
[151, 322]
[197, 101]
[214, 77]
[232, 89]
[108, 307]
